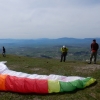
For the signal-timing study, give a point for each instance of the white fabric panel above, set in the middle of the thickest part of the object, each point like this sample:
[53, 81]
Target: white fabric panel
[3, 67]
[5, 70]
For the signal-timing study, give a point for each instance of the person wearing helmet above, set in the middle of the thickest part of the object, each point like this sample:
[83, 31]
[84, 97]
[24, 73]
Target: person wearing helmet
[64, 51]
[94, 49]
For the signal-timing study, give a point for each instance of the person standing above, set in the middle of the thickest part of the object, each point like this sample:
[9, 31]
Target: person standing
[4, 52]
[94, 49]
[64, 51]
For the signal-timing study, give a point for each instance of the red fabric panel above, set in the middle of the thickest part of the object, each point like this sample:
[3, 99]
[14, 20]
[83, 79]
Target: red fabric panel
[26, 85]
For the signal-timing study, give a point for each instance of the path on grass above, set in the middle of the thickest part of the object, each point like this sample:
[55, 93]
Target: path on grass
[88, 68]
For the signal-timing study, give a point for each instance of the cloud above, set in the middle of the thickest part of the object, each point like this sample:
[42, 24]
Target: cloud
[49, 18]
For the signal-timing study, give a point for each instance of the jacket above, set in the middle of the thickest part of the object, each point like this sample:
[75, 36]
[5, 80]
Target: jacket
[94, 47]
[64, 50]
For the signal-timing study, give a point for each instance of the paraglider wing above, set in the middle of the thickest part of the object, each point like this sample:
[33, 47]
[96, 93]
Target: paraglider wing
[33, 83]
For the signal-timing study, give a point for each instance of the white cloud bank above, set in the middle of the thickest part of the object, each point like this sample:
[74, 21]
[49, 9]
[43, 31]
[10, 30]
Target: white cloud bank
[49, 18]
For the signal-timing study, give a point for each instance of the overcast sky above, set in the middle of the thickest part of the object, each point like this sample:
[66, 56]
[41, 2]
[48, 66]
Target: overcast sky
[32, 19]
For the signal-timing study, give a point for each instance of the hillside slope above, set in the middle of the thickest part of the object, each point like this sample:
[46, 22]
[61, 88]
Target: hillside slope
[45, 66]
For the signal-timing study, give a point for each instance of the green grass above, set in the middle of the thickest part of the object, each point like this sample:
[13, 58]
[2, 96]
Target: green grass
[53, 66]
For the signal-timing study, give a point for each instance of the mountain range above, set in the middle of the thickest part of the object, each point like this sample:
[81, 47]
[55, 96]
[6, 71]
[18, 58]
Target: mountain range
[46, 41]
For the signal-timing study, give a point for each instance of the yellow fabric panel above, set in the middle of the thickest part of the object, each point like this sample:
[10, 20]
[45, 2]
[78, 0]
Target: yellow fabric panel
[53, 86]
[91, 81]
[2, 82]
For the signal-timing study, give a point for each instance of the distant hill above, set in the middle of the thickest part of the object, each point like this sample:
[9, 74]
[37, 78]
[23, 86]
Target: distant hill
[46, 41]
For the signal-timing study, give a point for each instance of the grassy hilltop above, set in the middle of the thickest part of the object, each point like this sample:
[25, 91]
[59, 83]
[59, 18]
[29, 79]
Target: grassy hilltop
[46, 66]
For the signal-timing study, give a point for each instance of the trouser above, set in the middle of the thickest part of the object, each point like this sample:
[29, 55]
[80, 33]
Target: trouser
[4, 54]
[63, 56]
[93, 54]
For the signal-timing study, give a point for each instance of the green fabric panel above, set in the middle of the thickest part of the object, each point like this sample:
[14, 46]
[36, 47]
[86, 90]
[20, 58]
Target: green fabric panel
[66, 87]
[77, 84]
[70, 86]
[85, 81]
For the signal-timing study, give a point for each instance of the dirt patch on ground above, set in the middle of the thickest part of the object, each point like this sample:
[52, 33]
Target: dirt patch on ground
[36, 69]
[39, 70]
[88, 68]
[13, 67]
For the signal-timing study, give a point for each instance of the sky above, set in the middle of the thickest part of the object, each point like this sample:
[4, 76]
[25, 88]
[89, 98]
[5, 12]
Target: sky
[33, 19]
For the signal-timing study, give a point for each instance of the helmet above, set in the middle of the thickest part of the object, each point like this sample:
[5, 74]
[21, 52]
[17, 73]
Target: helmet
[63, 46]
